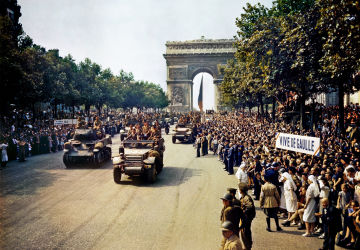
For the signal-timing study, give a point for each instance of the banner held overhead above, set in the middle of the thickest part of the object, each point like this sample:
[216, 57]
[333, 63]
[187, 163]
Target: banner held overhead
[298, 143]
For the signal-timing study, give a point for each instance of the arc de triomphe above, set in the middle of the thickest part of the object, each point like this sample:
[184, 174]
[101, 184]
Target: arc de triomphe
[184, 60]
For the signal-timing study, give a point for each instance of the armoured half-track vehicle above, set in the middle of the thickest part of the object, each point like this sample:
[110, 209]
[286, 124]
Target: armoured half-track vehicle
[182, 133]
[86, 149]
[139, 158]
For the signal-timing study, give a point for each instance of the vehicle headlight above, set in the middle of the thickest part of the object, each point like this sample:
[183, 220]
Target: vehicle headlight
[117, 160]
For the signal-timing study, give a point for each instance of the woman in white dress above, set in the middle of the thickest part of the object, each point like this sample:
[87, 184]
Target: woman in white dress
[312, 192]
[290, 196]
[4, 155]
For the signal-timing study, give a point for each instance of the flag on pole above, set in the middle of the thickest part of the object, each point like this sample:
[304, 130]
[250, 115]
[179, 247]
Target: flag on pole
[200, 98]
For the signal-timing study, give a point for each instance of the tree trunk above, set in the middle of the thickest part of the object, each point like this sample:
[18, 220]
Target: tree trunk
[261, 103]
[33, 111]
[99, 109]
[341, 108]
[55, 109]
[273, 108]
[87, 109]
[302, 112]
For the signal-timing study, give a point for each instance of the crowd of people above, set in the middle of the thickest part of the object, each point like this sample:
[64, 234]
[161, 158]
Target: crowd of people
[319, 194]
[22, 136]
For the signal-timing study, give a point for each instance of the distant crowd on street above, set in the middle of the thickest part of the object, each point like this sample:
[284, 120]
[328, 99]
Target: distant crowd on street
[319, 194]
[21, 136]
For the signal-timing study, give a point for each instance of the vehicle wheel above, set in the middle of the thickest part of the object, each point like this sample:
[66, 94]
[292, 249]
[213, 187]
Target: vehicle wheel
[159, 166]
[66, 160]
[108, 151]
[96, 160]
[151, 175]
[117, 175]
[173, 139]
[122, 136]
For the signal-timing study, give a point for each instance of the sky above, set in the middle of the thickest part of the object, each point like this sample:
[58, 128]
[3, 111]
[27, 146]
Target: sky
[130, 34]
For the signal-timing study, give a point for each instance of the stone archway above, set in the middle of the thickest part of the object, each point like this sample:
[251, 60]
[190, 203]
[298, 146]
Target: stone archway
[186, 59]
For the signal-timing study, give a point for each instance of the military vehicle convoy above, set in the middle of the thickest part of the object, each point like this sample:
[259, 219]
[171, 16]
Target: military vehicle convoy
[139, 158]
[182, 133]
[86, 149]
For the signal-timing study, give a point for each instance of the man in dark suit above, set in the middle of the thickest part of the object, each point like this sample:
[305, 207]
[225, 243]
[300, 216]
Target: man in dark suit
[225, 154]
[231, 159]
[331, 219]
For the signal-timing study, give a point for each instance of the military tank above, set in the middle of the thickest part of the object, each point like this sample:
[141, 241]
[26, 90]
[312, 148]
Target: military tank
[86, 149]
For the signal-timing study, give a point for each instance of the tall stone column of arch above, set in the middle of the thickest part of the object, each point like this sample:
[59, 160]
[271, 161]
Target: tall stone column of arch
[185, 59]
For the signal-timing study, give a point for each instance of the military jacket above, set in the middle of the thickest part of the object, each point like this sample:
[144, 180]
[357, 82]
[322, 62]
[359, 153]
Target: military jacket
[233, 243]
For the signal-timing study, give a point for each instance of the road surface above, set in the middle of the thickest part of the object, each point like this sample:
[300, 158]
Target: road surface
[45, 206]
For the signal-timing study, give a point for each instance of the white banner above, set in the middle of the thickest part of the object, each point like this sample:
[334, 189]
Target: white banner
[65, 122]
[58, 122]
[69, 121]
[298, 143]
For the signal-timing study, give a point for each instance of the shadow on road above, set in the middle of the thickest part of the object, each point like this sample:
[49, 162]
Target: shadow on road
[20, 184]
[103, 166]
[170, 176]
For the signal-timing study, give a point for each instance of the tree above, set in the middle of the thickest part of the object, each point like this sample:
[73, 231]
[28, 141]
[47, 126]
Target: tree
[340, 22]
[89, 91]
[277, 51]
[10, 65]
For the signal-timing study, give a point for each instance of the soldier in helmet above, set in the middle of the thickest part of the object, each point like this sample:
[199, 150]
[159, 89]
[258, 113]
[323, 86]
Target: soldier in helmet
[230, 241]
[81, 123]
[230, 212]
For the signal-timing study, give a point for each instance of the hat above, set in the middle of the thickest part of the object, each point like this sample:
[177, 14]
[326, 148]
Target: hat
[227, 197]
[275, 164]
[231, 190]
[227, 226]
[243, 187]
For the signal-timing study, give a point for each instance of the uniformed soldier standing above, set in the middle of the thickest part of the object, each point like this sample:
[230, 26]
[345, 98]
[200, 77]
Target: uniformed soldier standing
[249, 212]
[270, 201]
[235, 201]
[230, 212]
[230, 241]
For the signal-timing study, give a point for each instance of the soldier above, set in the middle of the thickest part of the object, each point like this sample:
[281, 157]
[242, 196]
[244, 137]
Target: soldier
[80, 123]
[230, 241]
[270, 201]
[235, 201]
[97, 123]
[248, 209]
[230, 213]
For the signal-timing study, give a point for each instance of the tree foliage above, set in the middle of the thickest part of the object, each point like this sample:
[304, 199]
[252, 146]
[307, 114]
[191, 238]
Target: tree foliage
[30, 73]
[304, 46]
